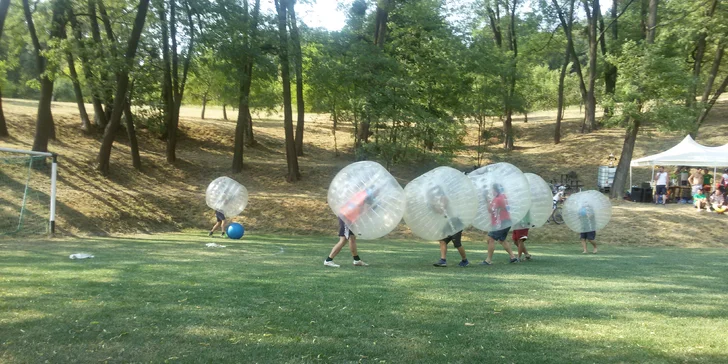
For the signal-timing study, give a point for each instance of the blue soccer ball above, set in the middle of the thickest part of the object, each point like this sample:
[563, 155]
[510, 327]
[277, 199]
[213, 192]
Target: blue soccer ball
[235, 231]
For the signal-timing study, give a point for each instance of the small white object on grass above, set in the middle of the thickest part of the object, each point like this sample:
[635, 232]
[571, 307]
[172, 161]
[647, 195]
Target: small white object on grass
[80, 256]
[214, 245]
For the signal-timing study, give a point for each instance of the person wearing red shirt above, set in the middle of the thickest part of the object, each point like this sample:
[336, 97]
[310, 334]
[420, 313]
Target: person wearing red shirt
[500, 220]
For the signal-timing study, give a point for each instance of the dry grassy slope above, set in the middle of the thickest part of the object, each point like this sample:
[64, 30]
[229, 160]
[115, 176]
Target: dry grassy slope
[163, 197]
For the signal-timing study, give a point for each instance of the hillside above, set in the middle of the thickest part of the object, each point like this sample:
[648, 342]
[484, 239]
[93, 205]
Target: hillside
[164, 198]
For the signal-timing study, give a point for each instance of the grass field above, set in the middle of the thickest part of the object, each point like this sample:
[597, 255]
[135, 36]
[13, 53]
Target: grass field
[268, 299]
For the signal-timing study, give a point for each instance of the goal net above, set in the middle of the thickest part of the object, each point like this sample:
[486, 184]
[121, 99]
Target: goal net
[27, 192]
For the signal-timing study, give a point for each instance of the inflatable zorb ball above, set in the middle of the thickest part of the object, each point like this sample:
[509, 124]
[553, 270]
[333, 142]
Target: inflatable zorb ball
[440, 203]
[587, 211]
[227, 196]
[503, 194]
[369, 200]
[542, 203]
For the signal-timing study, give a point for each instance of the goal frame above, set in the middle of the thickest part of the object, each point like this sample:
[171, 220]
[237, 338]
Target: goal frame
[54, 175]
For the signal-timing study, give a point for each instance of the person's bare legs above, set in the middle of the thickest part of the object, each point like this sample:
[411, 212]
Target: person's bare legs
[583, 245]
[507, 247]
[521, 244]
[337, 248]
[222, 226]
[352, 245]
[491, 249]
[443, 250]
[594, 244]
[461, 250]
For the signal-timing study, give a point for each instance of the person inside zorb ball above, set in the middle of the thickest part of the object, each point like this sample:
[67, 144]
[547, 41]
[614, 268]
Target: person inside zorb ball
[440, 203]
[226, 196]
[367, 198]
[504, 195]
[587, 211]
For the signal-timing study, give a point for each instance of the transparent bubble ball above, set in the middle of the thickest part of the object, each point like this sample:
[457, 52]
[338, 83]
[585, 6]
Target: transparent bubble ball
[587, 211]
[440, 203]
[504, 196]
[367, 198]
[541, 203]
[226, 195]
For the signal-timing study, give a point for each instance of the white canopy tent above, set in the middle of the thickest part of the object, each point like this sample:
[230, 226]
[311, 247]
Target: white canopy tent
[686, 153]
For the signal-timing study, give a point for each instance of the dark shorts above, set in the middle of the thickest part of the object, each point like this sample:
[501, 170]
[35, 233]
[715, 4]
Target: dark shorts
[344, 230]
[589, 235]
[456, 238]
[220, 216]
[499, 235]
[661, 190]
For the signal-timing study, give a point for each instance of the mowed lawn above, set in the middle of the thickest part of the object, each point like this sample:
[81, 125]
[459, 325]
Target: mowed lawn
[269, 299]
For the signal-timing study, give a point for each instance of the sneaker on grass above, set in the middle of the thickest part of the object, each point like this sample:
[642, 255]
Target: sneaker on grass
[330, 263]
[463, 263]
[441, 263]
[514, 260]
[360, 263]
[485, 262]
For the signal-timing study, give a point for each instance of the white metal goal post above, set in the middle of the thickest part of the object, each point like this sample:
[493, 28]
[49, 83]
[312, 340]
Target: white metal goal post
[53, 177]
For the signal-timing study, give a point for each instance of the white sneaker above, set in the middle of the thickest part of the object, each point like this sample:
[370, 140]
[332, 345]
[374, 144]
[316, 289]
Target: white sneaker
[360, 263]
[330, 263]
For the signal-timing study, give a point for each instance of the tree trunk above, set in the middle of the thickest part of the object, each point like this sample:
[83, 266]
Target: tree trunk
[4, 5]
[610, 70]
[99, 116]
[243, 127]
[508, 131]
[699, 55]
[112, 38]
[570, 40]
[121, 88]
[224, 112]
[652, 22]
[291, 158]
[567, 24]
[85, 123]
[380, 28]
[131, 132]
[710, 104]
[249, 137]
[3, 125]
[167, 91]
[204, 105]
[590, 106]
[298, 63]
[713, 73]
[173, 120]
[44, 128]
[622, 174]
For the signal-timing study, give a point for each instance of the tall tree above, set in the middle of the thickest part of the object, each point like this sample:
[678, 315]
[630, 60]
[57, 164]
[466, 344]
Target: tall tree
[567, 59]
[122, 86]
[298, 64]
[291, 157]
[4, 5]
[699, 54]
[71, 61]
[593, 13]
[44, 127]
[650, 95]
[102, 93]
[174, 83]
[80, 45]
[243, 128]
[508, 44]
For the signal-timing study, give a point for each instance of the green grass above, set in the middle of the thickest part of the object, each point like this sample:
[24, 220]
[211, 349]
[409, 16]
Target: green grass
[269, 299]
